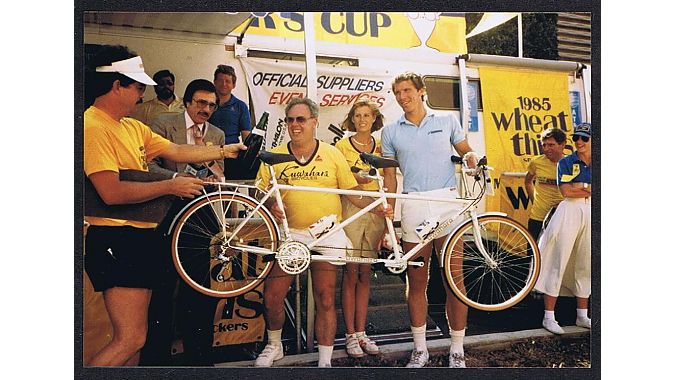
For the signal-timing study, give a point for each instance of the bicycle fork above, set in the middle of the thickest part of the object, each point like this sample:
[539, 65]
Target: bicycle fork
[477, 241]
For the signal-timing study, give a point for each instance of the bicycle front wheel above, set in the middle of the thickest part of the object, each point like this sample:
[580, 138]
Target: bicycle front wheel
[493, 267]
[202, 255]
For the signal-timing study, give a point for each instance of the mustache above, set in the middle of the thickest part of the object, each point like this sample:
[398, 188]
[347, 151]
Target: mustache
[204, 113]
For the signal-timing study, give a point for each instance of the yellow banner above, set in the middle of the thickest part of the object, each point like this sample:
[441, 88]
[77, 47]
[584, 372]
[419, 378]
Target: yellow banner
[240, 319]
[518, 106]
[445, 33]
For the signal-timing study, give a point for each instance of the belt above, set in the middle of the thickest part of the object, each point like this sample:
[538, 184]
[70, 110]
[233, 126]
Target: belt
[419, 192]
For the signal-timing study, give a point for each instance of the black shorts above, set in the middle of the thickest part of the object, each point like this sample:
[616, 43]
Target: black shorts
[124, 256]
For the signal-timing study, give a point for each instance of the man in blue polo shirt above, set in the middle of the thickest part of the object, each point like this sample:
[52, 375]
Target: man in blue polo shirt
[423, 144]
[232, 115]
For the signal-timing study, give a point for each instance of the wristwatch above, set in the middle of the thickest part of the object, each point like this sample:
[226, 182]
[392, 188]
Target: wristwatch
[585, 185]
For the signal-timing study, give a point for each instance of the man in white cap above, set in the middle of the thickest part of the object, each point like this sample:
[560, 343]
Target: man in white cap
[121, 254]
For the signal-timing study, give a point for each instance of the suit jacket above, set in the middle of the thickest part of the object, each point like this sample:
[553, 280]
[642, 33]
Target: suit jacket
[173, 128]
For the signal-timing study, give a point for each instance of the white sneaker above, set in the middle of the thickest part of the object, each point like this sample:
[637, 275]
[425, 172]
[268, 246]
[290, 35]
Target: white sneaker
[456, 360]
[418, 359]
[271, 353]
[552, 326]
[325, 365]
[353, 347]
[368, 346]
[583, 322]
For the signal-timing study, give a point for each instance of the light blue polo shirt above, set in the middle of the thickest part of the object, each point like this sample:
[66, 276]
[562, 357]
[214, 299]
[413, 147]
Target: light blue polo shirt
[424, 153]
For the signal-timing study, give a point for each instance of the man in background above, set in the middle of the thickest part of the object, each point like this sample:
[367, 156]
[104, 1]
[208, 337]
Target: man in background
[540, 180]
[165, 102]
[232, 115]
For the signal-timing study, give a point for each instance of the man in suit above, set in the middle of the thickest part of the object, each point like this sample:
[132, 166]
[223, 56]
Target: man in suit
[190, 127]
[194, 311]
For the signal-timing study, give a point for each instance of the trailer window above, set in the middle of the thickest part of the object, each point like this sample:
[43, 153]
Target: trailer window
[336, 61]
[443, 93]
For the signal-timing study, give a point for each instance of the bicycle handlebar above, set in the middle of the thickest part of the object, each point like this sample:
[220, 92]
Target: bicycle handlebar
[458, 160]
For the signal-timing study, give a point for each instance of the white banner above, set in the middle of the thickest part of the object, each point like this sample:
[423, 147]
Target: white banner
[274, 83]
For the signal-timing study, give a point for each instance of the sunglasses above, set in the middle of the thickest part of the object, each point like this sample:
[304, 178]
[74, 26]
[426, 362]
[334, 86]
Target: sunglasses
[203, 103]
[300, 119]
[577, 137]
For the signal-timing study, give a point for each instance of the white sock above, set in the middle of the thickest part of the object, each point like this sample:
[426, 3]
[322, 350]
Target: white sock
[325, 354]
[549, 314]
[457, 339]
[582, 313]
[419, 337]
[275, 337]
[360, 334]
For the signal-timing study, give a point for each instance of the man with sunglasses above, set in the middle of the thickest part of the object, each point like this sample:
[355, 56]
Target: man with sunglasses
[194, 311]
[566, 242]
[190, 127]
[316, 164]
[165, 102]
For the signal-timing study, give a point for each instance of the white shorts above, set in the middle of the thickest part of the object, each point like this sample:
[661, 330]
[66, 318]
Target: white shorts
[335, 245]
[414, 212]
[565, 248]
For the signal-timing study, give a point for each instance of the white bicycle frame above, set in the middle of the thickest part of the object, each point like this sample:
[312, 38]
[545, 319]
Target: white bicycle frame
[381, 197]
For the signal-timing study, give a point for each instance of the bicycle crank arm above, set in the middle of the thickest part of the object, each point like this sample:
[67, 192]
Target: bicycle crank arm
[417, 263]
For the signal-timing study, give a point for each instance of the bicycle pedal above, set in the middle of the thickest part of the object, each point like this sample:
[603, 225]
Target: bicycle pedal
[268, 258]
[417, 260]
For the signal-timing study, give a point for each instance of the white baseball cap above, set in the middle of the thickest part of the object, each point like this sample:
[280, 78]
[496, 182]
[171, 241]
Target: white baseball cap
[132, 68]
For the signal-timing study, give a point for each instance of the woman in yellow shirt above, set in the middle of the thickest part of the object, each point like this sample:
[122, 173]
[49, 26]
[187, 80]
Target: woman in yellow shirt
[364, 118]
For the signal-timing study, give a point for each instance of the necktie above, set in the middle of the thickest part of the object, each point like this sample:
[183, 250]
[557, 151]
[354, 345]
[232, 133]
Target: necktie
[199, 140]
[197, 135]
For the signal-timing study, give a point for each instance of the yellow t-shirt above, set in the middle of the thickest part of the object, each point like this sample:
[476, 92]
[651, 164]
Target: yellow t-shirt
[326, 168]
[352, 157]
[113, 145]
[547, 194]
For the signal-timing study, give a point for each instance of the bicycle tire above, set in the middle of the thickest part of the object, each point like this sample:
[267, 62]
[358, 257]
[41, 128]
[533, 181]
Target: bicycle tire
[196, 242]
[482, 286]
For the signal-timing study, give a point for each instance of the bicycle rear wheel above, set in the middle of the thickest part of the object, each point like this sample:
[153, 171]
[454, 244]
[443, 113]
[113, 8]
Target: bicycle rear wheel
[201, 255]
[501, 281]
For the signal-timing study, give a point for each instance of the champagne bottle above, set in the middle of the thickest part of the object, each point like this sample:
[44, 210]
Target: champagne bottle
[248, 161]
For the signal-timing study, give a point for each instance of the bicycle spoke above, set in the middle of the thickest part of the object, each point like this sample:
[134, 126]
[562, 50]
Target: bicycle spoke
[201, 254]
[503, 280]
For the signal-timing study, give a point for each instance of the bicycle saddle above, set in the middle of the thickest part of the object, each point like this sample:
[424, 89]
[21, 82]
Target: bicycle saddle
[275, 158]
[378, 162]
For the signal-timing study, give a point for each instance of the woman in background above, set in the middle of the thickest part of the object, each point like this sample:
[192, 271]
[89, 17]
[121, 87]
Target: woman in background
[566, 242]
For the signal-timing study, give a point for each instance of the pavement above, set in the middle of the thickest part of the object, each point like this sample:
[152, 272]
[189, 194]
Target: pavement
[437, 346]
